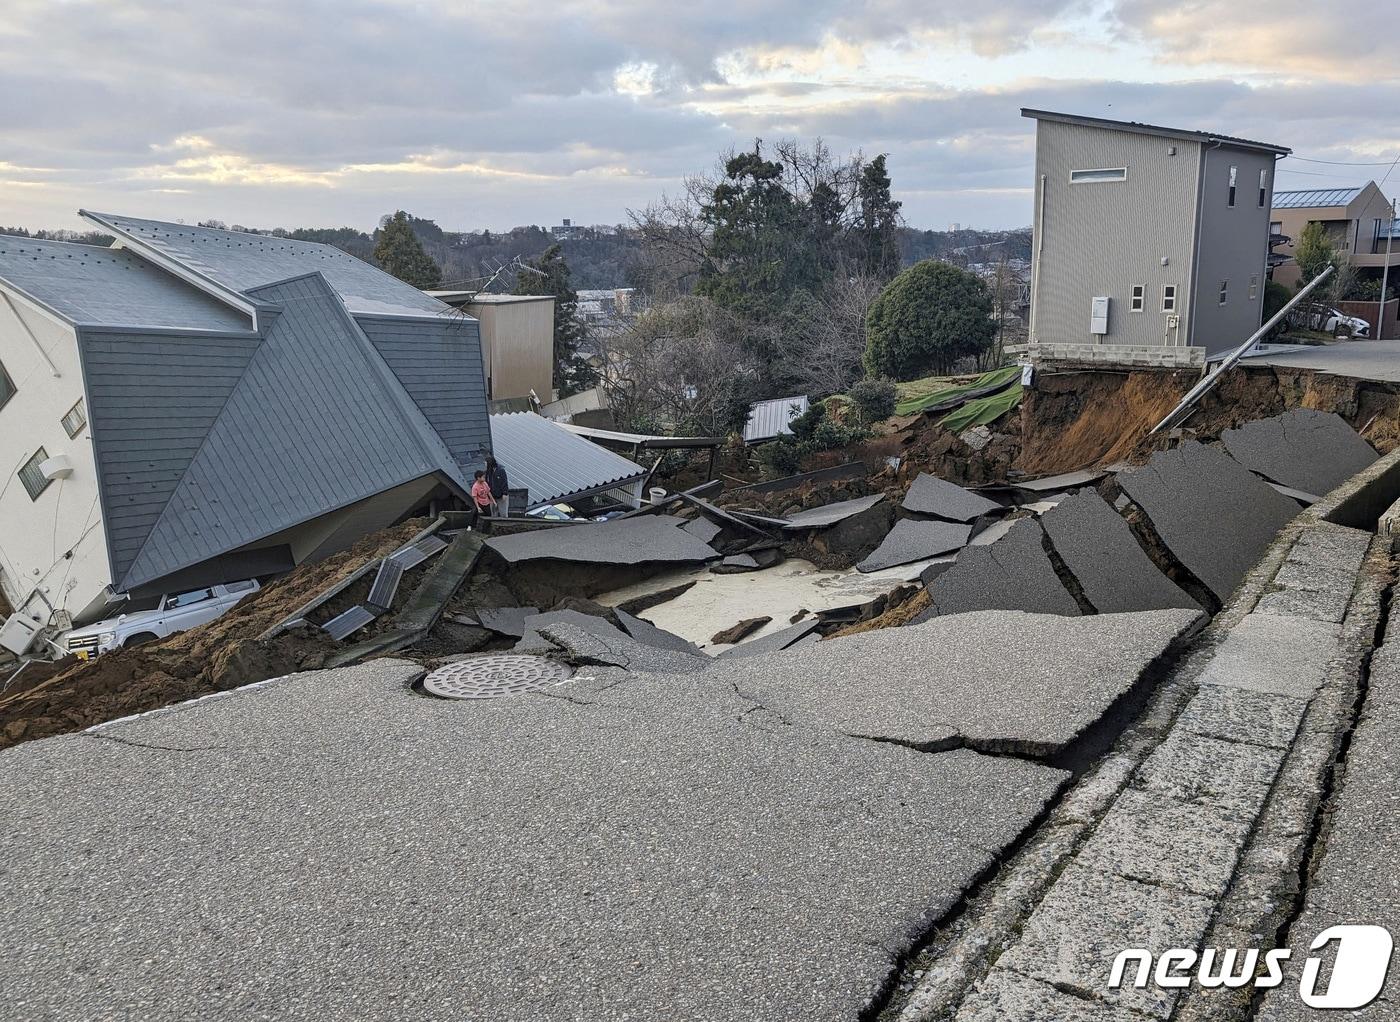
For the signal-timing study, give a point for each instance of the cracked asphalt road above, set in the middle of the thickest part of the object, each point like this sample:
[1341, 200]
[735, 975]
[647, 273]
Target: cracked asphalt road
[631, 844]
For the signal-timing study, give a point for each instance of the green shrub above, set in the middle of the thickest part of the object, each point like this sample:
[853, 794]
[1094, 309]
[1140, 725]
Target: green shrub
[926, 320]
[874, 399]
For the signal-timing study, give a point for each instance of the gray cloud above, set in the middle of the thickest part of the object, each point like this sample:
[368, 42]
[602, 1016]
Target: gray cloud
[256, 112]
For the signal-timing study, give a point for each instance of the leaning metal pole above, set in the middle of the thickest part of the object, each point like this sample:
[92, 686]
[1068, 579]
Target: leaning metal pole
[1200, 390]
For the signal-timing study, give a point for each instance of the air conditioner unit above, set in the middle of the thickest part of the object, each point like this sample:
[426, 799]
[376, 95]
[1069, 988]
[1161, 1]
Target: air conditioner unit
[60, 466]
[18, 633]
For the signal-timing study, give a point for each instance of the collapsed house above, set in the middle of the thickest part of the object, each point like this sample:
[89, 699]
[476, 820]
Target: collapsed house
[194, 406]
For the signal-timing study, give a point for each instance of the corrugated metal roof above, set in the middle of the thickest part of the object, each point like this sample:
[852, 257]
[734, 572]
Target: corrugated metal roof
[1307, 198]
[553, 463]
[110, 287]
[768, 419]
[244, 261]
[316, 422]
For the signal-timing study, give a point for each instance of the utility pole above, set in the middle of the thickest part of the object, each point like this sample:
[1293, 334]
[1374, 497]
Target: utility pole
[1385, 272]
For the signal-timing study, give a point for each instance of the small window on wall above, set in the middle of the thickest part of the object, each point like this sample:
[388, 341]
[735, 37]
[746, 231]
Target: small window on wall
[1263, 187]
[1234, 174]
[7, 387]
[1276, 228]
[75, 420]
[1169, 298]
[35, 482]
[1254, 287]
[1138, 292]
[1077, 177]
[1224, 291]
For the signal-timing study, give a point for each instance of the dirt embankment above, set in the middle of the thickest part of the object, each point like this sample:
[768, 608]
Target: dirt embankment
[51, 699]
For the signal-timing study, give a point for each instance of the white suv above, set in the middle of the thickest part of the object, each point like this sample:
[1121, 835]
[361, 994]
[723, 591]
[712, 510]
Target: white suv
[176, 613]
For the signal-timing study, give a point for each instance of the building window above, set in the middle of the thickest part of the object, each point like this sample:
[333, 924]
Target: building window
[1254, 287]
[7, 387]
[1103, 174]
[1138, 291]
[1263, 187]
[1169, 298]
[1234, 173]
[1224, 291]
[75, 420]
[35, 482]
[1276, 228]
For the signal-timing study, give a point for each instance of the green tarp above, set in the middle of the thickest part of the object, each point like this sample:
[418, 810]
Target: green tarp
[951, 397]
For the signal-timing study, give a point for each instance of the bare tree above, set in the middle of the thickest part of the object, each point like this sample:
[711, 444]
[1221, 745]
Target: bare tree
[826, 357]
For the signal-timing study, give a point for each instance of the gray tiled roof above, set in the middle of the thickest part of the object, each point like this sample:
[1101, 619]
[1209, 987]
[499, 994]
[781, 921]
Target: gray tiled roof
[553, 463]
[110, 287]
[316, 422]
[1308, 198]
[245, 261]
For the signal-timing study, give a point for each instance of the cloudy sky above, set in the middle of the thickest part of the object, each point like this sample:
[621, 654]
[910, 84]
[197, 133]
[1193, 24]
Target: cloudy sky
[493, 113]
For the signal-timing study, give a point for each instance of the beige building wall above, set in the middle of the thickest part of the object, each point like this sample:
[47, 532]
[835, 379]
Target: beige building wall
[53, 550]
[517, 344]
[1351, 228]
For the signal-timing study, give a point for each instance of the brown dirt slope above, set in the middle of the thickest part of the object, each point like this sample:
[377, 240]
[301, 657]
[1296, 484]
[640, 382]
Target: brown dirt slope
[223, 654]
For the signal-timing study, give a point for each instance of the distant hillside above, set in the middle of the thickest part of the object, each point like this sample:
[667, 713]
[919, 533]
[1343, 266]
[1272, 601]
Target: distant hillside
[599, 257]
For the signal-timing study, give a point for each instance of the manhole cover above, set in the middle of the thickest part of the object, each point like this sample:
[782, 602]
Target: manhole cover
[489, 677]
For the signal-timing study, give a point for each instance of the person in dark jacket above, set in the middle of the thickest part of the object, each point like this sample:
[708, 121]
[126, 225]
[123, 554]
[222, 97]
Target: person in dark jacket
[500, 487]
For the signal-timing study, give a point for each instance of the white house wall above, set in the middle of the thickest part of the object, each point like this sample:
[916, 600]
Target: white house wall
[53, 550]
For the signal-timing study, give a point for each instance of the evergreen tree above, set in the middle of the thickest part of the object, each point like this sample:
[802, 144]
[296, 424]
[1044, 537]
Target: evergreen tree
[398, 251]
[572, 372]
[758, 253]
[878, 229]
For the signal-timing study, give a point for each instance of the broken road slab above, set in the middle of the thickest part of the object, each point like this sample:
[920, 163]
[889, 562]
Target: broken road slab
[647, 633]
[623, 847]
[533, 638]
[1302, 449]
[1098, 547]
[914, 540]
[1013, 573]
[505, 620]
[997, 680]
[776, 641]
[1214, 515]
[830, 514]
[642, 540]
[930, 495]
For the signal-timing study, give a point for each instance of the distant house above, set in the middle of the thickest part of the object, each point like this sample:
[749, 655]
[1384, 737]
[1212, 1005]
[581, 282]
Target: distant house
[1146, 235]
[195, 406]
[517, 341]
[1356, 219]
[568, 231]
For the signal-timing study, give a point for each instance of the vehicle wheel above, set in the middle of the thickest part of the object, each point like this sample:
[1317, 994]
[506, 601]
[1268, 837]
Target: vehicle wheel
[140, 639]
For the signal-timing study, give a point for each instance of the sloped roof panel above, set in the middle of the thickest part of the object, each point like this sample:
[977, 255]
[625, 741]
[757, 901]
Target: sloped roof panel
[1308, 198]
[110, 287]
[317, 422]
[151, 401]
[243, 261]
[553, 463]
[438, 361]
[769, 419]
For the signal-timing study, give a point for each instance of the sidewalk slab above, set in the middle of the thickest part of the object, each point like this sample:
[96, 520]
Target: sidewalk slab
[1274, 654]
[1073, 936]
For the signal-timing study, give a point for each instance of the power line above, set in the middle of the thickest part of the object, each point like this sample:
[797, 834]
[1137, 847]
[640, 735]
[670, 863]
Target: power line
[1338, 163]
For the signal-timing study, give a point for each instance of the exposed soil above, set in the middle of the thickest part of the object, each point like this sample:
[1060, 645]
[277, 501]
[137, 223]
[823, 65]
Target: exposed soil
[899, 614]
[72, 695]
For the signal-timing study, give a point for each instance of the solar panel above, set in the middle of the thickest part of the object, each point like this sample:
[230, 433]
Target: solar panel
[386, 584]
[416, 553]
[343, 625]
[1310, 197]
